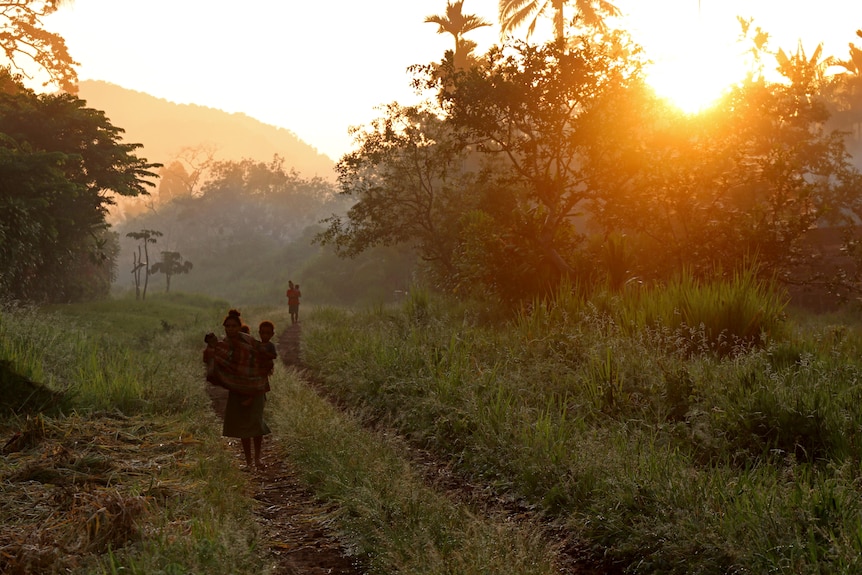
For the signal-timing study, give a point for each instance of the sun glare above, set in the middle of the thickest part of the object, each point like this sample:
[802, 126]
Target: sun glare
[695, 55]
[693, 82]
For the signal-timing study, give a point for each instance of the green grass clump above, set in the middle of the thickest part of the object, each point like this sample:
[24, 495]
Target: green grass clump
[726, 440]
[390, 517]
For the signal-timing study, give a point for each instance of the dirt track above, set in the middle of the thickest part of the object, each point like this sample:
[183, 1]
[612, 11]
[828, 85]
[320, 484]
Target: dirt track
[295, 523]
[292, 520]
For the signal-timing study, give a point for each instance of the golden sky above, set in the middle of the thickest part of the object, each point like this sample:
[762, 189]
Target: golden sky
[318, 67]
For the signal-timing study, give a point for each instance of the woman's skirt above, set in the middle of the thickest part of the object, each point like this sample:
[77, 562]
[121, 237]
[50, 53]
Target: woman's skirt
[241, 421]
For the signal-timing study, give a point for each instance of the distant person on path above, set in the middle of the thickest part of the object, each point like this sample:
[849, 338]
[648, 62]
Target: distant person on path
[238, 364]
[293, 295]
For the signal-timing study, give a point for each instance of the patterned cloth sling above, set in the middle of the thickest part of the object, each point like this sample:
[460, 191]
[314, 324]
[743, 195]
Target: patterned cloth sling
[239, 365]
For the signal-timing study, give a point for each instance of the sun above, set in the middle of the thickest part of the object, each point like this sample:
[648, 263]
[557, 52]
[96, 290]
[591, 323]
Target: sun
[694, 80]
[695, 56]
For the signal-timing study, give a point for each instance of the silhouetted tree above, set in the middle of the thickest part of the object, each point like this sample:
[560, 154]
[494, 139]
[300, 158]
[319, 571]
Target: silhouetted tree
[23, 37]
[407, 180]
[172, 263]
[61, 166]
[490, 182]
[141, 261]
[528, 105]
[513, 13]
[748, 178]
[844, 95]
[457, 23]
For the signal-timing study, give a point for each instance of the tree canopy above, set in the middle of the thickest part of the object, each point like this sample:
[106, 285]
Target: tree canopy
[61, 164]
[23, 38]
[544, 162]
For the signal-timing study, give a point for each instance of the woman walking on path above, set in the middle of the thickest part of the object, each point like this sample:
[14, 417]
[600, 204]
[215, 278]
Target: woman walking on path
[238, 362]
[293, 295]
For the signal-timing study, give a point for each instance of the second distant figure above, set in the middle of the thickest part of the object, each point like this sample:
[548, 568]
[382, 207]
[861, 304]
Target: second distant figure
[293, 295]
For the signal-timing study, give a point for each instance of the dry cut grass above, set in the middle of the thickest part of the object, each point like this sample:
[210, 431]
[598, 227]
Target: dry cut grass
[77, 487]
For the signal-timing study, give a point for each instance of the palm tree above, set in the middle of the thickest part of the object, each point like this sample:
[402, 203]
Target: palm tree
[457, 23]
[513, 13]
[853, 65]
[142, 262]
[799, 67]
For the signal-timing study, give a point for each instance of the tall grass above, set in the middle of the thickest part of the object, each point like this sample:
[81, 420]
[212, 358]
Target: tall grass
[691, 429]
[391, 518]
[132, 457]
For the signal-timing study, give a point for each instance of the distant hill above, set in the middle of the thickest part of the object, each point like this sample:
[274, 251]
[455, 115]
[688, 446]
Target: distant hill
[164, 128]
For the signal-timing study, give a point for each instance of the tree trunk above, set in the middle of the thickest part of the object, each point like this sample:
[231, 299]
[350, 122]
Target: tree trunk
[146, 270]
[559, 27]
[136, 274]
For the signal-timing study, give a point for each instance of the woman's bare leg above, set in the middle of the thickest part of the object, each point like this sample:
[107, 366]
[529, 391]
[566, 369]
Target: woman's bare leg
[258, 443]
[246, 449]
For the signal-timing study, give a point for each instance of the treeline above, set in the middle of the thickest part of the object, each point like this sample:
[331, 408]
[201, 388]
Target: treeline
[247, 227]
[61, 167]
[525, 167]
[535, 164]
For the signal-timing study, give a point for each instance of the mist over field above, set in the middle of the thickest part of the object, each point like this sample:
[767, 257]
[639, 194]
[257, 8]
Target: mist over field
[554, 319]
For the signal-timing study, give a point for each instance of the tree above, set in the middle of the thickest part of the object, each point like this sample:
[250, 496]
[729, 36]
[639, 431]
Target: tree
[457, 23]
[407, 178]
[746, 180]
[23, 37]
[141, 261]
[844, 95]
[184, 176]
[247, 220]
[513, 13]
[172, 263]
[488, 183]
[61, 165]
[529, 106]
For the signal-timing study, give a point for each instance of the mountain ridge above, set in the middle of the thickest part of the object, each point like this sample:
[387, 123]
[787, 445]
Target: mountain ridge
[166, 128]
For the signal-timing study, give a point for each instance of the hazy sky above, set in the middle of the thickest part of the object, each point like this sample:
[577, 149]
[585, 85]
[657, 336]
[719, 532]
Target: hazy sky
[317, 67]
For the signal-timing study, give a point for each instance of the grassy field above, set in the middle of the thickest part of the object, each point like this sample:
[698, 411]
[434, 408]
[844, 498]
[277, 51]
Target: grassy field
[695, 429]
[113, 460]
[117, 465]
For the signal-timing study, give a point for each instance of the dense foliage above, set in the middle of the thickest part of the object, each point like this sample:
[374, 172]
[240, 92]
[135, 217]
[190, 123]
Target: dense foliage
[61, 164]
[540, 164]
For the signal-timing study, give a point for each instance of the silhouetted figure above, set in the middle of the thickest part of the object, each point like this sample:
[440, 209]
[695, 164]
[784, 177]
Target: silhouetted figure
[293, 295]
[238, 363]
[267, 353]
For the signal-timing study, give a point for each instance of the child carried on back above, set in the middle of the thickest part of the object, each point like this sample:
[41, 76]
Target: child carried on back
[241, 364]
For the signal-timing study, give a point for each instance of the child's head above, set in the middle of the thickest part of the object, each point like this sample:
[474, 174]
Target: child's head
[211, 338]
[266, 330]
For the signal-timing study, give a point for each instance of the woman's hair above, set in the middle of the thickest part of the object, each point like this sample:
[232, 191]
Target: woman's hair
[233, 315]
[266, 323]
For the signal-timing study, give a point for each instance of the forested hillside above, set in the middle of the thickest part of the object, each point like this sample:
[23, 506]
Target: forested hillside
[241, 232]
[166, 128]
[233, 202]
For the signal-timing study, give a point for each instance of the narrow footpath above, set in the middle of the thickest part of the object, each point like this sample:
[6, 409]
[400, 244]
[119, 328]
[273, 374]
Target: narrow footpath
[294, 523]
